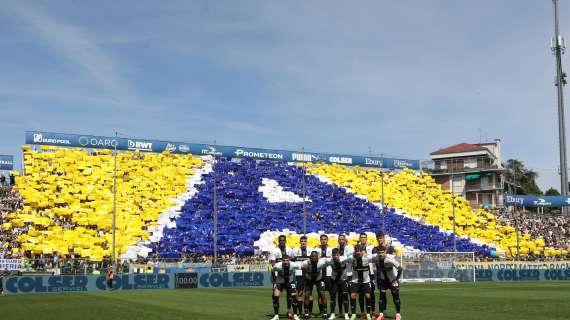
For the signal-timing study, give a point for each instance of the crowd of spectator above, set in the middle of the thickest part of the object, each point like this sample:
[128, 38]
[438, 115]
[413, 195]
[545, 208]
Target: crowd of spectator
[554, 228]
[9, 202]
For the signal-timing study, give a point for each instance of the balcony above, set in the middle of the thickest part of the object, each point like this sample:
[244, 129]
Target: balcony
[457, 169]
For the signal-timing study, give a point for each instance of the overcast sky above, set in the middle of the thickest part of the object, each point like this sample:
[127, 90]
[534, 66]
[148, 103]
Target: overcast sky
[402, 77]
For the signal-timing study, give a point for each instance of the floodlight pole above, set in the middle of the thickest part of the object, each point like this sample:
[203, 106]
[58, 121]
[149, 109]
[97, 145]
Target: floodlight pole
[215, 262]
[304, 195]
[383, 204]
[453, 213]
[115, 202]
[558, 46]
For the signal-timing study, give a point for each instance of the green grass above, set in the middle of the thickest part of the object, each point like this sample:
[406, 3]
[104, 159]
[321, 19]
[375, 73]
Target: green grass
[504, 301]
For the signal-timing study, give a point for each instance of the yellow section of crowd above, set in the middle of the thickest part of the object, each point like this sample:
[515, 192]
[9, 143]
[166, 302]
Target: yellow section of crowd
[68, 199]
[420, 196]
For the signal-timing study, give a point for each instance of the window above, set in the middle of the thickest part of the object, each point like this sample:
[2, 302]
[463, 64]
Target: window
[470, 163]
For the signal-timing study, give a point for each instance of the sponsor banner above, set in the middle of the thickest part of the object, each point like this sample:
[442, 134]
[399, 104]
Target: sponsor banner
[101, 142]
[234, 279]
[238, 268]
[500, 265]
[459, 275]
[259, 267]
[12, 264]
[186, 280]
[533, 201]
[522, 275]
[6, 162]
[45, 284]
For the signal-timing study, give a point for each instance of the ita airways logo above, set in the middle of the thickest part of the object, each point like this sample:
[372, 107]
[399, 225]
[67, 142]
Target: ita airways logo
[140, 145]
[211, 151]
[170, 147]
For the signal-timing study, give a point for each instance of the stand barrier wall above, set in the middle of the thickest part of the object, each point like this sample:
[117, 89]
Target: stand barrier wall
[50, 284]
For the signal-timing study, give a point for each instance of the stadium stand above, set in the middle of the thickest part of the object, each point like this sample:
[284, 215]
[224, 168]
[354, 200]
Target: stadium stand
[62, 207]
[246, 213]
[68, 199]
[420, 197]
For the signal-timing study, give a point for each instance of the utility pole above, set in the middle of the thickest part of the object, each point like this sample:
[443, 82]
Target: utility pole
[558, 45]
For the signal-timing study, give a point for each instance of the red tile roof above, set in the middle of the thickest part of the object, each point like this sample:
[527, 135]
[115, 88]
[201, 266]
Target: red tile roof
[459, 148]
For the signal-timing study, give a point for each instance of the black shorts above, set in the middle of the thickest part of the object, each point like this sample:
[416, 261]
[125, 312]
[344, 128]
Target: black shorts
[388, 285]
[363, 287]
[309, 284]
[339, 287]
[300, 281]
[328, 282]
[289, 287]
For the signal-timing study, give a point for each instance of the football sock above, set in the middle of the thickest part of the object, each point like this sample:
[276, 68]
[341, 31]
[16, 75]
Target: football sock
[276, 305]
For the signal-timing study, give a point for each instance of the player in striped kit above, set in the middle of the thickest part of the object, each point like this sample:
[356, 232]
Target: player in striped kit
[389, 278]
[345, 250]
[339, 285]
[368, 250]
[300, 255]
[283, 273]
[313, 273]
[325, 251]
[361, 281]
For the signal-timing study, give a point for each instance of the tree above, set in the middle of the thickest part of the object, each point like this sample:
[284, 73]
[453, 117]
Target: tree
[521, 179]
[552, 192]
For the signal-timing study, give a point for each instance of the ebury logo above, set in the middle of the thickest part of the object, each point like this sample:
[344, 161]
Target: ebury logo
[39, 139]
[170, 147]
[373, 162]
[140, 145]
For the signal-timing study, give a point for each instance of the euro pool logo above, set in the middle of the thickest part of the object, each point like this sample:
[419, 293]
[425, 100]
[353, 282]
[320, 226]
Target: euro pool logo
[38, 137]
[211, 151]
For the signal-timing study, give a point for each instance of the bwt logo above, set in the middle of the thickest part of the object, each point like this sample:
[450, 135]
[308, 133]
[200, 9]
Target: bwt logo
[39, 138]
[305, 157]
[6, 162]
[343, 160]
[170, 147]
[140, 145]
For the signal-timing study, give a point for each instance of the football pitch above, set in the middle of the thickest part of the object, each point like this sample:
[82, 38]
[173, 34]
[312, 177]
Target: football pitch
[498, 300]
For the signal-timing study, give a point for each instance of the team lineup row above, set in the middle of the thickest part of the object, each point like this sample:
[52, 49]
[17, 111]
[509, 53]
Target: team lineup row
[345, 272]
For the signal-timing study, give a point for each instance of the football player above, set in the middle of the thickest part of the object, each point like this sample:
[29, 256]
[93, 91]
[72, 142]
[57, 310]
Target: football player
[283, 273]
